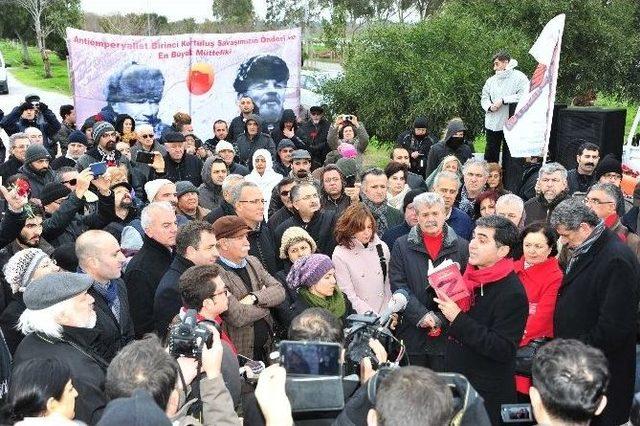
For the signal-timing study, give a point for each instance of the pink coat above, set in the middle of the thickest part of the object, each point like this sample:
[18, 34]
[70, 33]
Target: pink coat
[359, 275]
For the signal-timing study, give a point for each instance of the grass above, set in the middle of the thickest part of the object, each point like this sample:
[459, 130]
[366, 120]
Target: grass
[33, 75]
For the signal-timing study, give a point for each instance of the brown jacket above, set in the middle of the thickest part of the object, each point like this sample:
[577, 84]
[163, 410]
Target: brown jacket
[631, 240]
[239, 318]
[217, 406]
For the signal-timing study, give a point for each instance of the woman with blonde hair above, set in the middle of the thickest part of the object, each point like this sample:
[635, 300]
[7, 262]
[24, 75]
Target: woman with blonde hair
[450, 163]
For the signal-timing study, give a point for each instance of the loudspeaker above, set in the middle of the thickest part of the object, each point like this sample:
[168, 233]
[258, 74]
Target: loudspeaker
[601, 126]
[553, 136]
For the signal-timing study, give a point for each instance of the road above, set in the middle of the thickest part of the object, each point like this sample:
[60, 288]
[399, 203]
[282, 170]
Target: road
[17, 92]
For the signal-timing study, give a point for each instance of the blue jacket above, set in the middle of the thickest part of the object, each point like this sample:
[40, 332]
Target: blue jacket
[461, 223]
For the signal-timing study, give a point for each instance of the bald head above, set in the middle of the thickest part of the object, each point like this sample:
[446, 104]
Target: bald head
[99, 255]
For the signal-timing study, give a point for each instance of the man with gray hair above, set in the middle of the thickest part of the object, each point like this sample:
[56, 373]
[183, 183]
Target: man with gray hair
[430, 241]
[551, 188]
[511, 207]
[146, 268]
[226, 204]
[598, 299]
[447, 184]
[59, 322]
[18, 144]
[475, 173]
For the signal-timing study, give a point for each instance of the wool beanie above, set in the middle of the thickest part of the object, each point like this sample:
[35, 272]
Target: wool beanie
[308, 270]
[152, 187]
[78, 137]
[347, 150]
[347, 166]
[294, 235]
[36, 152]
[19, 269]
[53, 191]
[420, 123]
[184, 187]
[100, 128]
[55, 288]
[607, 165]
[224, 145]
[285, 143]
[409, 196]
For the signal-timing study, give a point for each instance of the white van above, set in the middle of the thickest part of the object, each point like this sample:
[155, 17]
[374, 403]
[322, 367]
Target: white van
[4, 85]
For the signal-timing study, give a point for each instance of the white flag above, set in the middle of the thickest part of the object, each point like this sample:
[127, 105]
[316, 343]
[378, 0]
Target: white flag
[527, 131]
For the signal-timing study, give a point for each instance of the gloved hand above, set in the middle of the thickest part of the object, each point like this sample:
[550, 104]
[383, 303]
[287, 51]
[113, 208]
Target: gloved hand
[25, 106]
[43, 106]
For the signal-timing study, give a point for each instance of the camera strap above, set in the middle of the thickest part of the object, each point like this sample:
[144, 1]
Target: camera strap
[383, 262]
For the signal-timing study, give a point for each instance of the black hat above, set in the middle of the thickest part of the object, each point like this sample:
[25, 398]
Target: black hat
[607, 165]
[32, 97]
[316, 108]
[170, 137]
[408, 198]
[78, 137]
[420, 123]
[65, 257]
[53, 191]
[122, 183]
[36, 152]
[259, 68]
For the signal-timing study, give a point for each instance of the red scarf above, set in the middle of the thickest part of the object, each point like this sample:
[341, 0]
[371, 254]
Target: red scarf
[223, 336]
[433, 244]
[475, 278]
[611, 220]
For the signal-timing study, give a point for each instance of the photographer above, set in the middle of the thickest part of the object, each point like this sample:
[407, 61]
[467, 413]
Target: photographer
[570, 380]
[347, 129]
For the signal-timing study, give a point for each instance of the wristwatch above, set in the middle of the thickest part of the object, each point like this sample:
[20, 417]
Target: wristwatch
[255, 298]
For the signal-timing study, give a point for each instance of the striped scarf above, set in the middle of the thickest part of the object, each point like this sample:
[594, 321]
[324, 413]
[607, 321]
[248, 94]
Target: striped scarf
[586, 245]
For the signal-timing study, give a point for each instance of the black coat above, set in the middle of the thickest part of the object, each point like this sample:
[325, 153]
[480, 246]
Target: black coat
[440, 150]
[315, 137]
[113, 334]
[143, 274]
[225, 209]
[263, 247]
[87, 368]
[9, 321]
[36, 181]
[597, 303]
[236, 128]
[9, 168]
[279, 217]
[167, 301]
[245, 147]
[483, 341]
[320, 228]
[412, 144]
[190, 168]
[408, 270]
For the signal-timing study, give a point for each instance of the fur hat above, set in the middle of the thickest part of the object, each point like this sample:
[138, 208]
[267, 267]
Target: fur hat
[308, 270]
[224, 145]
[608, 164]
[294, 235]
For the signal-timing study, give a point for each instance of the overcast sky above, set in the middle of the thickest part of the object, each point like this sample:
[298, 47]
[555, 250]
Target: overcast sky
[174, 10]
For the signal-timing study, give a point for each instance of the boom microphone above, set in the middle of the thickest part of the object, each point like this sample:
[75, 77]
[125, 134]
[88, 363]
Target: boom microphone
[397, 303]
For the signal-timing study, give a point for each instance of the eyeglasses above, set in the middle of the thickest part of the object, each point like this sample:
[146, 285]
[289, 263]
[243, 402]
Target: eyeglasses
[612, 175]
[333, 179]
[595, 201]
[309, 197]
[224, 291]
[146, 136]
[71, 182]
[109, 134]
[254, 202]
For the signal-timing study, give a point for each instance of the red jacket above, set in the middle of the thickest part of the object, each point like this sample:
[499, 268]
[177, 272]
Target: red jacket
[541, 282]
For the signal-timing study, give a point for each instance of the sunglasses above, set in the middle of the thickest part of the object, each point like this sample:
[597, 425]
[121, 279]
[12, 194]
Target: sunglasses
[285, 193]
[71, 182]
[146, 136]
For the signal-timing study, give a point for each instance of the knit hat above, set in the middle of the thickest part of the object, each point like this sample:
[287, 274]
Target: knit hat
[308, 270]
[65, 257]
[294, 235]
[285, 143]
[347, 166]
[230, 227]
[152, 187]
[347, 150]
[171, 137]
[78, 137]
[300, 154]
[55, 288]
[409, 196]
[184, 187]
[608, 164]
[36, 152]
[224, 145]
[123, 183]
[53, 191]
[137, 410]
[130, 239]
[100, 128]
[20, 267]
[420, 123]
[316, 108]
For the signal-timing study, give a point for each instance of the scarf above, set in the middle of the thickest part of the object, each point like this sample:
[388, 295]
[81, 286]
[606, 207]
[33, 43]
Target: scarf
[334, 304]
[466, 204]
[108, 156]
[474, 278]
[396, 201]
[379, 213]
[586, 245]
[110, 294]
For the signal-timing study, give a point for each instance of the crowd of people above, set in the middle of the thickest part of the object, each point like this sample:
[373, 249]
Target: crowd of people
[112, 235]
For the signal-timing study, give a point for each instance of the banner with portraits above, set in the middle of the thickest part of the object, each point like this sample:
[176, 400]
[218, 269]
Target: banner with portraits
[152, 77]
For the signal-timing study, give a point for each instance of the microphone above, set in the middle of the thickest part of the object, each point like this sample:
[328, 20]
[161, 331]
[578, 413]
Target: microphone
[397, 303]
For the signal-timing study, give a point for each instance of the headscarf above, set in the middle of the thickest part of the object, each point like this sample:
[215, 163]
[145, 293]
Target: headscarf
[432, 177]
[267, 181]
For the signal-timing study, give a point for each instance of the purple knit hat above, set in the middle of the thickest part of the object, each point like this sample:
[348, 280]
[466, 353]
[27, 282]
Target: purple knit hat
[308, 270]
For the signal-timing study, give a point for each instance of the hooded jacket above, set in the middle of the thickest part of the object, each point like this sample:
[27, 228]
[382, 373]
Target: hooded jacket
[443, 148]
[209, 194]
[267, 181]
[315, 137]
[413, 143]
[298, 137]
[246, 146]
[509, 85]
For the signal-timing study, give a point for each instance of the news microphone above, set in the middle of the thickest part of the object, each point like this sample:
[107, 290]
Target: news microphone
[397, 303]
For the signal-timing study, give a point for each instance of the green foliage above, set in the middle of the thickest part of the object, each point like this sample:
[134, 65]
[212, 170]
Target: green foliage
[437, 67]
[238, 12]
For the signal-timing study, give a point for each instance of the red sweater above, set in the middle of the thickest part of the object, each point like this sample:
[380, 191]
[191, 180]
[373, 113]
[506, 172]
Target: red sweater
[541, 282]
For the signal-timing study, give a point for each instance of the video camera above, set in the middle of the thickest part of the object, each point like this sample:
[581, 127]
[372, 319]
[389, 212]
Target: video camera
[183, 337]
[363, 327]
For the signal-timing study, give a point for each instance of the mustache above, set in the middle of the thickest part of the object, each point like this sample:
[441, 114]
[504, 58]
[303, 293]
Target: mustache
[431, 223]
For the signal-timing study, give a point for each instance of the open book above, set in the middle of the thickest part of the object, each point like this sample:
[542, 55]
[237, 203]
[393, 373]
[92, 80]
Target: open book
[446, 278]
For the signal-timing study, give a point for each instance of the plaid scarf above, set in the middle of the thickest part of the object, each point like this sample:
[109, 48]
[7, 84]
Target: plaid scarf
[110, 294]
[379, 213]
[586, 245]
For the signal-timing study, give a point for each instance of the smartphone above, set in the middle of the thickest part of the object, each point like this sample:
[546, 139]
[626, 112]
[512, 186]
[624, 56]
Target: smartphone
[310, 358]
[98, 169]
[350, 181]
[516, 413]
[145, 157]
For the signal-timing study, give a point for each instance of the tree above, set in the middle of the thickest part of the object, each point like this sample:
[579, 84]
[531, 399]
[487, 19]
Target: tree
[235, 12]
[15, 23]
